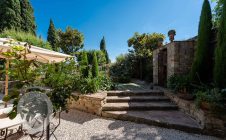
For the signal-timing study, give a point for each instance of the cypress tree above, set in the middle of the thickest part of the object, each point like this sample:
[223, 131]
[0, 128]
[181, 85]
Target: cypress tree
[84, 65]
[95, 68]
[220, 52]
[27, 15]
[10, 15]
[107, 57]
[102, 44]
[103, 48]
[52, 35]
[201, 67]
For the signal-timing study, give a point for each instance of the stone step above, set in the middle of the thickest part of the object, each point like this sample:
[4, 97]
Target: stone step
[167, 119]
[117, 99]
[139, 106]
[136, 93]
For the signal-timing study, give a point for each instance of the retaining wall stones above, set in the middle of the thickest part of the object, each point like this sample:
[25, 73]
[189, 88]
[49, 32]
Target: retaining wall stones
[89, 103]
[210, 123]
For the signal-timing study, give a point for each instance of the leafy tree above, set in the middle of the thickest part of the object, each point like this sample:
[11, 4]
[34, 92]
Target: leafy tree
[143, 45]
[26, 37]
[201, 68]
[70, 41]
[95, 68]
[121, 71]
[218, 9]
[84, 65]
[220, 52]
[103, 48]
[52, 35]
[10, 15]
[27, 14]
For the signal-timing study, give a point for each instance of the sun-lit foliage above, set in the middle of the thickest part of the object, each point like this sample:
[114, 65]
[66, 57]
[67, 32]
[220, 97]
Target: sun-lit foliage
[25, 37]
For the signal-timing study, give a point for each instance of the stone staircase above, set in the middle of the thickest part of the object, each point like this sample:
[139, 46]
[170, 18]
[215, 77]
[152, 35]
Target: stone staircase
[143, 100]
[148, 107]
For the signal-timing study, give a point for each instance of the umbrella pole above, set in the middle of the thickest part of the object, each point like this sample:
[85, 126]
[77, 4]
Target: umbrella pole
[6, 79]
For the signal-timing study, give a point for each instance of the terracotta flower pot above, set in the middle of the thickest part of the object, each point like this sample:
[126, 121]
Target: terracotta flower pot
[205, 105]
[186, 96]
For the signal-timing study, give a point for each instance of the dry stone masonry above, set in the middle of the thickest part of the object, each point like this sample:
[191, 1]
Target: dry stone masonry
[89, 103]
[210, 123]
[173, 58]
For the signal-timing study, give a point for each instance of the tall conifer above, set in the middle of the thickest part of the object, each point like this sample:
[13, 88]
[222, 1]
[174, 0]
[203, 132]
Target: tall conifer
[103, 48]
[220, 52]
[52, 35]
[10, 15]
[202, 68]
[27, 14]
[95, 68]
[84, 65]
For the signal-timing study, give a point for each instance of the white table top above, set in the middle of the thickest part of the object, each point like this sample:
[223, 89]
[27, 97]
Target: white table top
[7, 123]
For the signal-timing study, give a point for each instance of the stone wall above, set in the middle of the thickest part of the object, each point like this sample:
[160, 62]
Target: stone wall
[208, 121]
[184, 52]
[172, 59]
[155, 66]
[89, 103]
[180, 55]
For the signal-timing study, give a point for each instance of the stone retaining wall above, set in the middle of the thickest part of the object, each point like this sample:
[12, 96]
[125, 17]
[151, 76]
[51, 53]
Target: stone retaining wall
[89, 103]
[208, 121]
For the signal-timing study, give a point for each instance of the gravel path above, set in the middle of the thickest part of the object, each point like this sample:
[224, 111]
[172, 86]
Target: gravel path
[78, 125]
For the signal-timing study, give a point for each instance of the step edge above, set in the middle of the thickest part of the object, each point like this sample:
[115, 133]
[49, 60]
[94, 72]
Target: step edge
[156, 123]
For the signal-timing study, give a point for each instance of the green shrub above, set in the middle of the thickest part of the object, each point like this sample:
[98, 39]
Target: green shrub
[92, 85]
[105, 83]
[25, 37]
[100, 56]
[214, 97]
[95, 68]
[121, 71]
[179, 83]
[59, 97]
[88, 85]
[61, 78]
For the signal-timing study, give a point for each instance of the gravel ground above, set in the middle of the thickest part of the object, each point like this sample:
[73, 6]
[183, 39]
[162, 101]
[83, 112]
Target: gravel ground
[78, 125]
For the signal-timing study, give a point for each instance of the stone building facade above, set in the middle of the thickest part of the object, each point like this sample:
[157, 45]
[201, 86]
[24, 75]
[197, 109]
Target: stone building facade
[173, 58]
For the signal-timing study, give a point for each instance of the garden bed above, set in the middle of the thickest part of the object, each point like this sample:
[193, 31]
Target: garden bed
[209, 121]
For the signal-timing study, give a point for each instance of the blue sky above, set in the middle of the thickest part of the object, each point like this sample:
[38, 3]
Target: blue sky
[117, 20]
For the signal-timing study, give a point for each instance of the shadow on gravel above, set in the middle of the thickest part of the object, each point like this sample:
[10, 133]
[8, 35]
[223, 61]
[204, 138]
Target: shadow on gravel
[77, 117]
[129, 132]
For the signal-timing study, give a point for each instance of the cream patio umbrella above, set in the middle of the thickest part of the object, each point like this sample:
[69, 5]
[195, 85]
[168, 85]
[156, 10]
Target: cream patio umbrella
[30, 53]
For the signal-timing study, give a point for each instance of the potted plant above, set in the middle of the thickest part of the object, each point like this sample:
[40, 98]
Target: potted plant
[171, 35]
[209, 100]
[202, 100]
